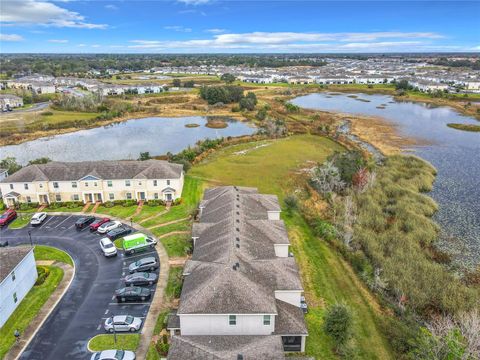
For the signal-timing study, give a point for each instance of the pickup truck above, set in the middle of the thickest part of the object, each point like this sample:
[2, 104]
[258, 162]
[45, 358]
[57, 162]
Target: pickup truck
[138, 242]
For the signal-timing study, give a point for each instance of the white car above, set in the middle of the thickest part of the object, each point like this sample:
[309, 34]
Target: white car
[108, 248]
[38, 218]
[113, 355]
[103, 229]
[123, 323]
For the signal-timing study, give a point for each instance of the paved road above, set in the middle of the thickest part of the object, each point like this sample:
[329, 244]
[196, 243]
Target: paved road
[88, 301]
[35, 107]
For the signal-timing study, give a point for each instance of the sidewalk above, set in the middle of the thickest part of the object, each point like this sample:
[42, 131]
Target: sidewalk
[32, 328]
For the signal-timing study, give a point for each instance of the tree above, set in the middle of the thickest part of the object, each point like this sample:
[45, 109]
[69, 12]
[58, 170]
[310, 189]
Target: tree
[10, 163]
[144, 156]
[228, 78]
[176, 83]
[42, 160]
[327, 179]
[338, 323]
[189, 84]
[247, 104]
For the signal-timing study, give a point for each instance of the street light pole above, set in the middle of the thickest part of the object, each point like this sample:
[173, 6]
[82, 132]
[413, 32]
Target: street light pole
[30, 236]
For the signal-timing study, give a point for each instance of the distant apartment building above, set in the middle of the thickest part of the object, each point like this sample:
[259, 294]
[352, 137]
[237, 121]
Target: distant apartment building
[94, 181]
[242, 294]
[18, 274]
[8, 102]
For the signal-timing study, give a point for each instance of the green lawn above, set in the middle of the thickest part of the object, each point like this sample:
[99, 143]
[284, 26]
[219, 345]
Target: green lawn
[22, 220]
[152, 353]
[43, 252]
[174, 283]
[181, 226]
[161, 321]
[326, 277]
[64, 209]
[148, 211]
[176, 245]
[28, 308]
[265, 167]
[106, 342]
[119, 211]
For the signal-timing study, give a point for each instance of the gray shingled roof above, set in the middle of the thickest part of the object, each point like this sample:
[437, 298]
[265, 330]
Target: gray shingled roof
[10, 257]
[290, 320]
[226, 347]
[108, 170]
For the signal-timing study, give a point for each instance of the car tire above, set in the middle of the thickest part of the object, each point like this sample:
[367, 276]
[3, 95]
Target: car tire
[132, 330]
[110, 331]
[132, 251]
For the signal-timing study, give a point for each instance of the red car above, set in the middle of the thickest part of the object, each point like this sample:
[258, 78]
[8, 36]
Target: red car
[7, 217]
[97, 223]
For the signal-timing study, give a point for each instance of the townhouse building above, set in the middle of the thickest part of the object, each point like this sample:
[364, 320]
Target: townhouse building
[94, 181]
[242, 294]
[9, 101]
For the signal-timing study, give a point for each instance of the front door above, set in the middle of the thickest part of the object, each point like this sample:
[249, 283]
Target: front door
[98, 197]
[168, 197]
[88, 198]
[43, 199]
[141, 196]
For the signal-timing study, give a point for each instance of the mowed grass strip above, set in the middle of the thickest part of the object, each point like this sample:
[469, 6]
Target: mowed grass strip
[28, 309]
[180, 226]
[176, 245]
[106, 342]
[21, 221]
[123, 212]
[326, 277]
[44, 252]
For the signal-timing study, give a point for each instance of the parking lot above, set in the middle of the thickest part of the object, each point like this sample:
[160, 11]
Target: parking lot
[90, 299]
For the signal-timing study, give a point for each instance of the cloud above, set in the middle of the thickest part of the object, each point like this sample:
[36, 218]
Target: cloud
[111, 7]
[215, 31]
[195, 2]
[37, 12]
[178, 28]
[58, 41]
[11, 37]
[294, 41]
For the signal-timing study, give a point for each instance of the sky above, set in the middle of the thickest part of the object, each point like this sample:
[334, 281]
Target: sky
[215, 26]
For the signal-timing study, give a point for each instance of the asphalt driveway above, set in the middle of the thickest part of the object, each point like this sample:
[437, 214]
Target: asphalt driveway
[90, 298]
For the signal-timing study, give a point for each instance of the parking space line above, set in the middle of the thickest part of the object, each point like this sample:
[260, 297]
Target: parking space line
[140, 317]
[61, 222]
[106, 311]
[130, 303]
[140, 255]
[49, 218]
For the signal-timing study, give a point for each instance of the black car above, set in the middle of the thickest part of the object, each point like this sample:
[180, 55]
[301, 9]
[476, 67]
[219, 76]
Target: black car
[132, 293]
[118, 233]
[3, 243]
[84, 222]
[141, 278]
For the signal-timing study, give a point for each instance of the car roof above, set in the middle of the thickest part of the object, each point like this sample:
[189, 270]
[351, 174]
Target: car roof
[39, 214]
[120, 317]
[106, 241]
[148, 259]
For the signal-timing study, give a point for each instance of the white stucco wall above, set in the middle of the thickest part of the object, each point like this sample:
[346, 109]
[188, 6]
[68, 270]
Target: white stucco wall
[219, 325]
[25, 277]
[289, 296]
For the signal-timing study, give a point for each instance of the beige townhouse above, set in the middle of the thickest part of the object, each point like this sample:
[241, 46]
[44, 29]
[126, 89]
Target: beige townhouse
[94, 181]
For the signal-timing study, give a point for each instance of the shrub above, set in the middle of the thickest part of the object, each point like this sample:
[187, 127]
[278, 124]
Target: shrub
[338, 323]
[153, 202]
[43, 273]
[46, 113]
[291, 202]
[109, 204]
[177, 201]
[324, 229]
[128, 203]
[291, 107]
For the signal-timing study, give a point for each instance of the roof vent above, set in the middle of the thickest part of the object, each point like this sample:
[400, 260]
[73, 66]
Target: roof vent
[239, 357]
[238, 220]
[238, 246]
[234, 267]
[237, 238]
[238, 229]
[237, 265]
[238, 212]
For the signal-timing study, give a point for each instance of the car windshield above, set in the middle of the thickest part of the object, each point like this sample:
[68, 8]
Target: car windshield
[119, 354]
[108, 245]
[3, 216]
[129, 319]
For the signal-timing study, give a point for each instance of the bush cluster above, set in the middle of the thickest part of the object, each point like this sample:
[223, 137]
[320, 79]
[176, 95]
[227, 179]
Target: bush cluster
[43, 273]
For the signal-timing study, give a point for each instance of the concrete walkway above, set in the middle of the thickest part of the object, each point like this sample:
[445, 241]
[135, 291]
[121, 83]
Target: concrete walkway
[46, 309]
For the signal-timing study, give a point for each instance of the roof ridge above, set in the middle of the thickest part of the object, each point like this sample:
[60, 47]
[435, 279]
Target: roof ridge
[197, 346]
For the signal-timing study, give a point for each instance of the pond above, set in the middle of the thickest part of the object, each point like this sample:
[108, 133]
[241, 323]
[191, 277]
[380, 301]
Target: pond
[454, 153]
[124, 140]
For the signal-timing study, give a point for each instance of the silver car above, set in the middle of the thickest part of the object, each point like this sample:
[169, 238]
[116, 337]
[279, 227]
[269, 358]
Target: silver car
[113, 355]
[144, 264]
[123, 323]
[105, 228]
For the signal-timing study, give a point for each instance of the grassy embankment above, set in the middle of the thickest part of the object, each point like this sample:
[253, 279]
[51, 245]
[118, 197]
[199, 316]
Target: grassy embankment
[38, 295]
[465, 127]
[326, 277]
[106, 342]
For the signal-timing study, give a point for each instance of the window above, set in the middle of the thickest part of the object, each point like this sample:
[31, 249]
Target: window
[232, 319]
[139, 183]
[25, 186]
[15, 297]
[55, 185]
[111, 196]
[29, 199]
[266, 319]
[74, 184]
[11, 186]
[40, 186]
[109, 183]
[127, 182]
[75, 197]
[168, 182]
[13, 275]
[95, 183]
[86, 184]
[129, 196]
[155, 196]
[155, 182]
[58, 197]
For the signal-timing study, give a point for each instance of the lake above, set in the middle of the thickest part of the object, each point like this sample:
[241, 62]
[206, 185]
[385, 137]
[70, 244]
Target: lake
[454, 153]
[124, 140]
